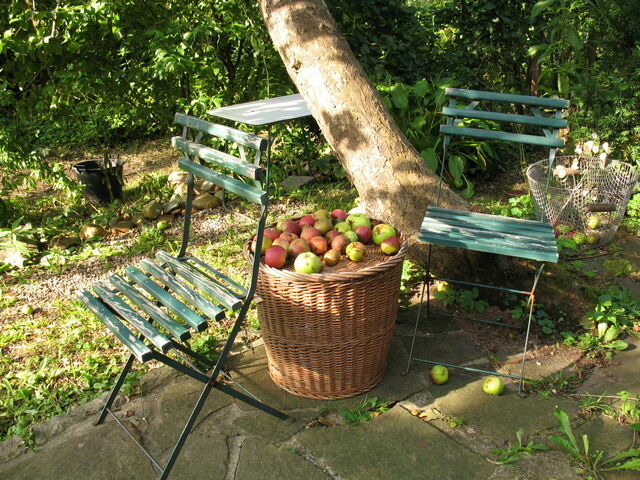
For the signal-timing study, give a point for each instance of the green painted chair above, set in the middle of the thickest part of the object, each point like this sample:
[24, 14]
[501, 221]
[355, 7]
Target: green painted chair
[527, 239]
[159, 304]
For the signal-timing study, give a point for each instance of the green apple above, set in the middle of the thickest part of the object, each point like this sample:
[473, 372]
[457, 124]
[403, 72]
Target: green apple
[580, 238]
[342, 226]
[351, 235]
[492, 385]
[355, 251]
[307, 262]
[563, 229]
[381, 232]
[593, 222]
[358, 219]
[439, 374]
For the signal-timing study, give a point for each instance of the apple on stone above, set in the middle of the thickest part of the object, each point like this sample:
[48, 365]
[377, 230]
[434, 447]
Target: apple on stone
[390, 245]
[382, 231]
[492, 385]
[275, 256]
[307, 262]
[298, 246]
[439, 374]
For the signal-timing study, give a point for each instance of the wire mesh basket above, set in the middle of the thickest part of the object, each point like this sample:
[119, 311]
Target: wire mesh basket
[584, 195]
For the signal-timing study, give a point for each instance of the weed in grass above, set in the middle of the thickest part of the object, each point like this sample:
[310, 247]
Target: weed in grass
[514, 452]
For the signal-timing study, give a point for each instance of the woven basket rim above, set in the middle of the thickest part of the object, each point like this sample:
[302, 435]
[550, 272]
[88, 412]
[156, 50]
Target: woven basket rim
[333, 276]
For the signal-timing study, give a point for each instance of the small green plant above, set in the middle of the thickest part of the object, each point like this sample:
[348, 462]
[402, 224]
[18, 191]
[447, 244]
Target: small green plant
[618, 267]
[412, 277]
[616, 307]
[518, 207]
[368, 409]
[540, 316]
[469, 300]
[578, 266]
[592, 463]
[514, 452]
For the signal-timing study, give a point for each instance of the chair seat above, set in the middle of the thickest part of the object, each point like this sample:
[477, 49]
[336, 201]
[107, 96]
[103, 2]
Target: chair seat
[489, 233]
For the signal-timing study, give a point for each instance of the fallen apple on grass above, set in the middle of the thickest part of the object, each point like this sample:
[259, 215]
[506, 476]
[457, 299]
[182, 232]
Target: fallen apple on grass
[439, 374]
[492, 385]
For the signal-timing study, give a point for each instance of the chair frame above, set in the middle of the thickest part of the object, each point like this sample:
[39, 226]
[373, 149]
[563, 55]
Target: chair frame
[149, 344]
[527, 239]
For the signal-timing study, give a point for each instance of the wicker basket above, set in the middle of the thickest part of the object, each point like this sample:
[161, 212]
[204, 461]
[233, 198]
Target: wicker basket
[327, 335]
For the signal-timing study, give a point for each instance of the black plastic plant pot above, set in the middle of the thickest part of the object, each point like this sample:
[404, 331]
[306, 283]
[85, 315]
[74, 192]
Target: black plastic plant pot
[102, 178]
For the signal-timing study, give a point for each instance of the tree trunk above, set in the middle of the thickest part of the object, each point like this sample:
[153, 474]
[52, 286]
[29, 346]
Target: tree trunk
[389, 174]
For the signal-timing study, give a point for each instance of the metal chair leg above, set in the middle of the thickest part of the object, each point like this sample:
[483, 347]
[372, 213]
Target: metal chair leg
[115, 390]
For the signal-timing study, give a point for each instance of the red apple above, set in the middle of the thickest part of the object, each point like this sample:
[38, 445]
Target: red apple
[339, 214]
[288, 236]
[283, 243]
[340, 242]
[272, 233]
[306, 220]
[275, 256]
[390, 245]
[318, 245]
[364, 233]
[291, 226]
[331, 234]
[310, 232]
[298, 246]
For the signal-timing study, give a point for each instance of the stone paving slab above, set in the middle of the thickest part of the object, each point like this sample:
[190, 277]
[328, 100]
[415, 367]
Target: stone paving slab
[394, 445]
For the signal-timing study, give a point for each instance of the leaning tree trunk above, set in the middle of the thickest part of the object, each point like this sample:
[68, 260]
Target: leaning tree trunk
[389, 174]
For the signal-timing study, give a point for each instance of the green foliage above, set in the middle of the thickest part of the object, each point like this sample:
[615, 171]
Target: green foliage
[412, 278]
[615, 307]
[514, 452]
[518, 207]
[593, 463]
[540, 316]
[368, 409]
[468, 299]
[617, 267]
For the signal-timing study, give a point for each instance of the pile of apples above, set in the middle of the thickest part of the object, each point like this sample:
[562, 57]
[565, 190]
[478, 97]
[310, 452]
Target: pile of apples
[322, 238]
[590, 238]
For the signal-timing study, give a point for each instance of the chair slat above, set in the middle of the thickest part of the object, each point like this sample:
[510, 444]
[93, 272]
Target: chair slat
[490, 233]
[190, 295]
[504, 136]
[133, 318]
[115, 326]
[507, 98]
[249, 192]
[225, 160]
[176, 329]
[228, 133]
[173, 304]
[549, 122]
[214, 289]
[211, 273]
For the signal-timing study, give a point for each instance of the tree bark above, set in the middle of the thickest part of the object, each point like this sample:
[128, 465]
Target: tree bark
[389, 174]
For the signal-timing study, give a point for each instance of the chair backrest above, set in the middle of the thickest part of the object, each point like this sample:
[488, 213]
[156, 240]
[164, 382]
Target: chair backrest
[241, 174]
[545, 116]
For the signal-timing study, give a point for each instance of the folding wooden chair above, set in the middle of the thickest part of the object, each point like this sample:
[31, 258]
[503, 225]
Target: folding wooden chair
[525, 239]
[163, 301]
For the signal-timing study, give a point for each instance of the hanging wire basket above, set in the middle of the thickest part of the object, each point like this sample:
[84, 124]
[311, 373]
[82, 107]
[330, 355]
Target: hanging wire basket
[583, 195]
